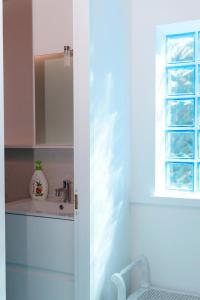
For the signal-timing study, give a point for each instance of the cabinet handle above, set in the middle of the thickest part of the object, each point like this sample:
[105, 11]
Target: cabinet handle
[76, 201]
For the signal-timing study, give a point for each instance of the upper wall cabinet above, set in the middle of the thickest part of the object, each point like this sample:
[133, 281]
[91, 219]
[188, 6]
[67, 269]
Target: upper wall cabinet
[38, 82]
[52, 30]
[18, 73]
[52, 26]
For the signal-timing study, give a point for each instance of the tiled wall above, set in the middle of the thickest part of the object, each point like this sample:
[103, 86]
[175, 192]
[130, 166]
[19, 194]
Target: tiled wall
[19, 167]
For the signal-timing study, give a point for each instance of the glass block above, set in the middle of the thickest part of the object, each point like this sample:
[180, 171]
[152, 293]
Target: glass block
[180, 144]
[198, 175]
[198, 45]
[199, 78]
[180, 176]
[180, 112]
[198, 144]
[198, 113]
[181, 48]
[180, 80]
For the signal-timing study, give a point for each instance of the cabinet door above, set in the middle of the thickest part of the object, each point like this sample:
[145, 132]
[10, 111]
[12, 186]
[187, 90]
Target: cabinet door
[18, 73]
[52, 26]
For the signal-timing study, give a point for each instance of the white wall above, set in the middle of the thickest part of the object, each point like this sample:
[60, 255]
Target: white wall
[168, 235]
[109, 143]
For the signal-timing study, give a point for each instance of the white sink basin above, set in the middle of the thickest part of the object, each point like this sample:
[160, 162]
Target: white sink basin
[48, 207]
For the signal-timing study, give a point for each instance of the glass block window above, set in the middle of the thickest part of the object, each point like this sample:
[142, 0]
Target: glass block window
[178, 108]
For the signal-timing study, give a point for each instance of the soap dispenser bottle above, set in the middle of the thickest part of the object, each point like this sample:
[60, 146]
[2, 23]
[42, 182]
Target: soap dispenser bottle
[38, 184]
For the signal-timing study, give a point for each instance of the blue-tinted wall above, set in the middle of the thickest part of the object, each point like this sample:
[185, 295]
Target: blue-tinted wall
[109, 142]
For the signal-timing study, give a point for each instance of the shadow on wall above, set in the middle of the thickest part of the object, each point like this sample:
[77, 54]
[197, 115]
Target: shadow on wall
[108, 194]
[109, 146]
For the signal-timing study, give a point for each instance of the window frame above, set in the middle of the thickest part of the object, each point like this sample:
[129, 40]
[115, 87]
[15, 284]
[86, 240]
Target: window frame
[161, 128]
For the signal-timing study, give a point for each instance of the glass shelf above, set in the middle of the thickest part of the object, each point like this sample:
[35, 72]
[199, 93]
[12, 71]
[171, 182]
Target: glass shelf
[39, 146]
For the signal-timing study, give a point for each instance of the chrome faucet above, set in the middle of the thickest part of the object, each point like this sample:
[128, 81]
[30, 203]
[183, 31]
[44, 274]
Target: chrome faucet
[66, 191]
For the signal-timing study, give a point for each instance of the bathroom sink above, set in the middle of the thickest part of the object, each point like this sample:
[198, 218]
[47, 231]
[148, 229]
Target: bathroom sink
[47, 207]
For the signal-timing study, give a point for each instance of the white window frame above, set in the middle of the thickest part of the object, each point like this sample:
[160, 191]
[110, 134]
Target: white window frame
[160, 126]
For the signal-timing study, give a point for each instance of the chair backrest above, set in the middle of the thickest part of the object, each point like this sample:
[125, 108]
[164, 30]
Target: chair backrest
[119, 282]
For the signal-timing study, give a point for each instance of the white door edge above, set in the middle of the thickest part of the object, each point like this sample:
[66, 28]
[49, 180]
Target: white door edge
[81, 147]
[2, 192]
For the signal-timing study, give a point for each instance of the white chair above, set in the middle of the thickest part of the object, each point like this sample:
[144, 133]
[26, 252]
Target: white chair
[146, 290]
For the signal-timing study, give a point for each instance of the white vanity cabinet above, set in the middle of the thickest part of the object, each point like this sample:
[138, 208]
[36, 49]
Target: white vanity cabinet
[52, 26]
[40, 258]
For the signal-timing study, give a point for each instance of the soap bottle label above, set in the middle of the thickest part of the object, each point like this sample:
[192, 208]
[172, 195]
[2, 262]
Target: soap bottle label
[38, 189]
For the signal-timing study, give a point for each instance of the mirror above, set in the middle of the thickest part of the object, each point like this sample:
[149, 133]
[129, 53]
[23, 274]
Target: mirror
[53, 100]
